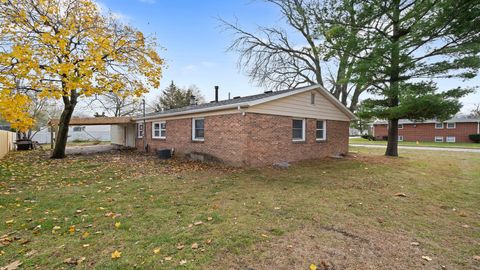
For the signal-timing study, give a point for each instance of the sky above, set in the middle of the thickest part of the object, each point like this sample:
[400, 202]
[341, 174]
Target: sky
[194, 44]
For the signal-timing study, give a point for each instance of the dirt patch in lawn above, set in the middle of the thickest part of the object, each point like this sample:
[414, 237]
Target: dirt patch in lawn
[329, 248]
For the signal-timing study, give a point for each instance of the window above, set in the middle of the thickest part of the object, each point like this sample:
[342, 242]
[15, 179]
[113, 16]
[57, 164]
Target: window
[451, 125]
[321, 130]
[400, 126]
[159, 130]
[438, 139]
[78, 129]
[198, 129]
[140, 130]
[312, 98]
[439, 125]
[298, 129]
[400, 138]
[450, 139]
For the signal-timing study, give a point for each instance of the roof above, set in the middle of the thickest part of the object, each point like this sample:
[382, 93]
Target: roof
[247, 101]
[431, 121]
[92, 121]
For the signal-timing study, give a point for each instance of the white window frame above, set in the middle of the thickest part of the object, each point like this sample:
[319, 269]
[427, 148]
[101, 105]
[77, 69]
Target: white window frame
[439, 127]
[400, 126]
[140, 131]
[450, 141]
[400, 138]
[303, 130]
[436, 137]
[324, 130]
[194, 138]
[159, 130]
[454, 125]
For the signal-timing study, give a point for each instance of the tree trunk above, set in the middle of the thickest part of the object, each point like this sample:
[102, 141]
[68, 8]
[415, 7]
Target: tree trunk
[393, 97]
[62, 134]
[392, 145]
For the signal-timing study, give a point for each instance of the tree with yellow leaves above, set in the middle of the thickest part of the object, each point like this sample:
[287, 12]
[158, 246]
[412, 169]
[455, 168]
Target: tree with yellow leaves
[69, 49]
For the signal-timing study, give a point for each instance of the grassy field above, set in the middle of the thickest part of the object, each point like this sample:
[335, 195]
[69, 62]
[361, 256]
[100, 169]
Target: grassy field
[362, 212]
[430, 144]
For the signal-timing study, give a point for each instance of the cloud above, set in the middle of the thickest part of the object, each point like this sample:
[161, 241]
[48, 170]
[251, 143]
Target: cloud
[123, 18]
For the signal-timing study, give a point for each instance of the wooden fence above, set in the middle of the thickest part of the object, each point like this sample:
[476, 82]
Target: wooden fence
[7, 139]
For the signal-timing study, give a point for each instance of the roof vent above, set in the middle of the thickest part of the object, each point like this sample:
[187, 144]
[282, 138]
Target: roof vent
[237, 97]
[268, 92]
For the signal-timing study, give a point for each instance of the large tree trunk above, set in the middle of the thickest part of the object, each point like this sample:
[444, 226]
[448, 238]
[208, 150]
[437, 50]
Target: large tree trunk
[62, 134]
[392, 145]
[393, 99]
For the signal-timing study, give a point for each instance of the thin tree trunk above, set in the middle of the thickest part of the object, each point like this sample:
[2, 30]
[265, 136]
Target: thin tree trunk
[62, 134]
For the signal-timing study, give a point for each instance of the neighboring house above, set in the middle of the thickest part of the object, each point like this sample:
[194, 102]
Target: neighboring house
[452, 130]
[77, 133]
[263, 129]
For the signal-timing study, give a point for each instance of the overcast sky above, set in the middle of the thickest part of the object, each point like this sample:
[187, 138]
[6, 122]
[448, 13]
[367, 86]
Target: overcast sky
[194, 45]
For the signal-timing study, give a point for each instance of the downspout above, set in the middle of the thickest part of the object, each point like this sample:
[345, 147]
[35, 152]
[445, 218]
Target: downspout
[144, 128]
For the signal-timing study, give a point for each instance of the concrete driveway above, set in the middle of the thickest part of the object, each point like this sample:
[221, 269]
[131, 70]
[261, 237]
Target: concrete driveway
[428, 148]
[90, 149]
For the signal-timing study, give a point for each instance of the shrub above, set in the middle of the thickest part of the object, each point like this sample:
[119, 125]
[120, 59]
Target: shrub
[474, 137]
[368, 137]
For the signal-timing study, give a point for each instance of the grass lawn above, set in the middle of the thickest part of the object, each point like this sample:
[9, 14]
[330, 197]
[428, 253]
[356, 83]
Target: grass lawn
[337, 214]
[429, 144]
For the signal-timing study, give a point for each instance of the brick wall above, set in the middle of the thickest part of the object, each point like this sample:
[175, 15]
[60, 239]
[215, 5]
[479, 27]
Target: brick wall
[426, 132]
[270, 140]
[252, 140]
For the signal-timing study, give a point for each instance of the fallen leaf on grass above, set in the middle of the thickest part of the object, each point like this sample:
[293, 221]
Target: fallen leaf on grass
[209, 218]
[180, 246]
[116, 254]
[400, 194]
[476, 258]
[156, 251]
[12, 266]
[182, 262]
[194, 246]
[85, 245]
[72, 229]
[168, 258]
[426, 258]
[85, 235]
[198, 223]
[117, 225]
[313, 267]
[10, 221]
[415, 243]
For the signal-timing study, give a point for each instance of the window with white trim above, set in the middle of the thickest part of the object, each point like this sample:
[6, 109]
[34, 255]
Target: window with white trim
[439, 125]
[321, 130]
[400, 126]
[312, 98]
[140, 130]
[78, 129]
[451, 125]
[159, 130]
[198, 129]
[450, 139]
[298, 129]
[438, 139]
[400, 138]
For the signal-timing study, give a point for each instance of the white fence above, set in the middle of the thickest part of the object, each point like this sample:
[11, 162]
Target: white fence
[7, 140]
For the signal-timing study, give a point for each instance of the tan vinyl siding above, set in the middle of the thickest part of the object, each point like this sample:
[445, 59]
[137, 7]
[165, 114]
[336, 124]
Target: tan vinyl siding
[300, 106]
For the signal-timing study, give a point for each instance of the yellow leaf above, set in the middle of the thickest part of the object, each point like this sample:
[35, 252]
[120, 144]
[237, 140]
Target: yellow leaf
[9, 221]
[117, 225]
[116, 254]
[156, 251]
[72, 229]
[313, 267]
[85, 234]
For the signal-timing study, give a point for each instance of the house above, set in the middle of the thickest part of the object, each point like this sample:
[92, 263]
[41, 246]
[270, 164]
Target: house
[258, 130]
[452, 130]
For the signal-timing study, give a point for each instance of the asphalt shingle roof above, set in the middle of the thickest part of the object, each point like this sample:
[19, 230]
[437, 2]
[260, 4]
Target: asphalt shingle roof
[223, 102]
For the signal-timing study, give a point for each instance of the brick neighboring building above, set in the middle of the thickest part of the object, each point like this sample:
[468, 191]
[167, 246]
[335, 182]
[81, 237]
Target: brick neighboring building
[258, 130]
[452, 130]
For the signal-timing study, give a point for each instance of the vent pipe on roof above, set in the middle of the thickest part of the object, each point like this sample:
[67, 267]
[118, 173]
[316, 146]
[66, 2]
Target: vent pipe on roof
[228, 95]
[216, 93]
[192, 100]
